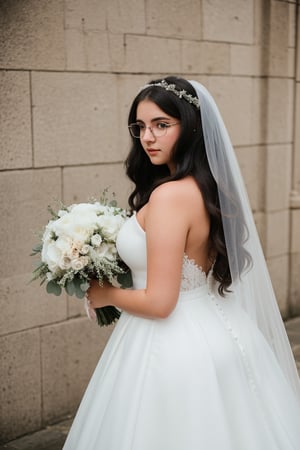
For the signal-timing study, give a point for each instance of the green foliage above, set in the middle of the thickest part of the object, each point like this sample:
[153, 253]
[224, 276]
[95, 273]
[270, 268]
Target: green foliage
[70, 287]
[78, 291]
[107, 315]
[40, 272]
[77, 287]
[37, 249]
[53, 288]
[125, 279]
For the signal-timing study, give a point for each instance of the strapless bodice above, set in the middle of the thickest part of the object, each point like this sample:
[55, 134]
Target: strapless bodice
[131, 245]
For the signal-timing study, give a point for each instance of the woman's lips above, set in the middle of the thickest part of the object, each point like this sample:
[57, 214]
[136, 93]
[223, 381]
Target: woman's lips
[152, 151]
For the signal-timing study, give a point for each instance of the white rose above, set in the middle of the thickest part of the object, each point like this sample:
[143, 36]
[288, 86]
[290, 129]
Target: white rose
[85, 249]
[77, 227]
[96, 240]
[65, 263]
[108, 251]
[64, 244]
[61, 224]
[51, 255]
[111, 225]
[47, 236]
[85, 260]
[79, 263]
[81, 235]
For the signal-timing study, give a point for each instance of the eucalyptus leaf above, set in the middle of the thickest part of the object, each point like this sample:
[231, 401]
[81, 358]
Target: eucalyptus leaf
[70, 287]
[37, 249]
[77, 282]
[84, 286]
[39, 267]
[79, 293]
[77, 287]
[53, 288]
[125, 279]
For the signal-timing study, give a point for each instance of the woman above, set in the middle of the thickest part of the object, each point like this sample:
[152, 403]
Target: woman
[199, 358]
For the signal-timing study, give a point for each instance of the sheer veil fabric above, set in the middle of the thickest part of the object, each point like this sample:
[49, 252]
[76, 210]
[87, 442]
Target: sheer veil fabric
[252, 287]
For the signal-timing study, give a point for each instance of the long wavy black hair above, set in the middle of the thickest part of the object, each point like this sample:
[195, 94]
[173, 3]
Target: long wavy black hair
[190, 159]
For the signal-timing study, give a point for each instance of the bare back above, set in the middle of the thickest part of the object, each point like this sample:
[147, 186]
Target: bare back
[192, 209]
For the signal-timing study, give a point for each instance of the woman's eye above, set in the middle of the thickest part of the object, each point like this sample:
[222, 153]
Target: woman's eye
[141, 126]
[162, 125]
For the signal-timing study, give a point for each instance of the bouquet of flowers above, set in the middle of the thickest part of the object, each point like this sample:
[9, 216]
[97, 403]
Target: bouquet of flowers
[78, 244]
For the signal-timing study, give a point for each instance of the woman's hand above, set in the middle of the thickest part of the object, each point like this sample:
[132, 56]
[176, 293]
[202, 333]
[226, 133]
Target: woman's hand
[98, 296]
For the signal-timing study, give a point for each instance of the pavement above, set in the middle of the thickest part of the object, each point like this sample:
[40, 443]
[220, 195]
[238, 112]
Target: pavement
[54, 436]
[49, 438]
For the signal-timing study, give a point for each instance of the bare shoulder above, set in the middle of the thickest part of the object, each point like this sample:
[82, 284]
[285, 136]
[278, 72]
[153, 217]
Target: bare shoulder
[181, 192]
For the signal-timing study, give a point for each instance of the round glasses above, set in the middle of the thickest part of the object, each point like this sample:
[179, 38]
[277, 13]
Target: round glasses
[159, 129]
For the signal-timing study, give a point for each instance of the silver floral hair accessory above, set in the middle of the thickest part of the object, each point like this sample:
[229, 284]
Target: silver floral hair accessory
[172, 88]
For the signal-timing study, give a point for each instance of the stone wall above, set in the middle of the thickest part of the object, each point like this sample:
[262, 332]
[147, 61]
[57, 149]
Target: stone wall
[69, 70]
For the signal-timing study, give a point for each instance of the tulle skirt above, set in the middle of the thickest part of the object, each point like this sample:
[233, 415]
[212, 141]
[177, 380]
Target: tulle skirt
[202, 379]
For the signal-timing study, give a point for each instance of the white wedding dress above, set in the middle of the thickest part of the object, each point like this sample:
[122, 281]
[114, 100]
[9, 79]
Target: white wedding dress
[193, 381]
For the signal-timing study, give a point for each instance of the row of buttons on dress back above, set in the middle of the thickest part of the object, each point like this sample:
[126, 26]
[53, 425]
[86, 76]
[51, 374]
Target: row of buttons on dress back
[236, 339]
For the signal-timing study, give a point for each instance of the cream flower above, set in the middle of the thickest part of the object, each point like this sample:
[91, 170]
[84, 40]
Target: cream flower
[77, 264]
[107, 251]
[96, 240]
[51, 256]
[111, 225]
[65, 263]
[84, 249]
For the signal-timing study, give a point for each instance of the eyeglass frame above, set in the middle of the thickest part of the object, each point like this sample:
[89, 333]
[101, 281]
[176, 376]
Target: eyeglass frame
[168, 125]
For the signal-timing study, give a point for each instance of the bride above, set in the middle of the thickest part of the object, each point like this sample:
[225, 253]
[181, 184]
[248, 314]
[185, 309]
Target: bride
[199, 359]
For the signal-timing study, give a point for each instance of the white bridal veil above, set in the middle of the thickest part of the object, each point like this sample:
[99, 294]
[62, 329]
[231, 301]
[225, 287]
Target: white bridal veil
[253, 289]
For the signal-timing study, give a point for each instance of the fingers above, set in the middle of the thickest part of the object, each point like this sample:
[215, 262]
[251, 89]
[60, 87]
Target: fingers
[89, 301]
[90, 311]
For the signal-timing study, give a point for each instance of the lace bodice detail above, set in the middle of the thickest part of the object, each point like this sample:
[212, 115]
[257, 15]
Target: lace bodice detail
[192, 275]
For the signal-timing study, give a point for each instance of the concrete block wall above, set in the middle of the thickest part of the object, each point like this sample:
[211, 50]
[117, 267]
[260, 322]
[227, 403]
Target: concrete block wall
[68, 72]
[295, 194]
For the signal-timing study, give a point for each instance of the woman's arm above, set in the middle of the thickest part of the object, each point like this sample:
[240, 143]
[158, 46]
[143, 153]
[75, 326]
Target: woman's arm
[166, 226]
